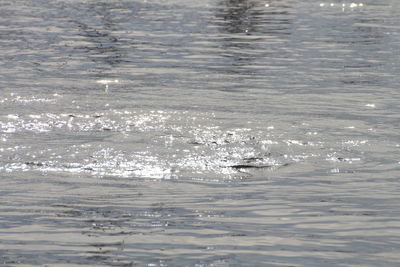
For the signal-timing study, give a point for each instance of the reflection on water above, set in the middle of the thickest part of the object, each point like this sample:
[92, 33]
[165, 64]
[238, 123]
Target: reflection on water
[216, 133]
[100, 42]
[239, 16]
[254, 17]
[248, 29]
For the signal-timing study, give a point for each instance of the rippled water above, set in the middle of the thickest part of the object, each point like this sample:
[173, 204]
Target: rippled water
[199, 133]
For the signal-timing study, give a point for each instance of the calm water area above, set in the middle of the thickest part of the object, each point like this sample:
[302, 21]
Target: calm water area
[199, 133]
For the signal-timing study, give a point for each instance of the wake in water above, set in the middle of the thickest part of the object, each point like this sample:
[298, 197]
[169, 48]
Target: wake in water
[162, 144]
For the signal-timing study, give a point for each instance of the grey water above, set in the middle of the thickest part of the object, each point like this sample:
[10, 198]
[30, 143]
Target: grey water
[199, 133]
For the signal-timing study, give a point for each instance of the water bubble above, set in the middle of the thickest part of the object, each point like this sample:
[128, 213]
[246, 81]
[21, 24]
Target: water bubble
[106, 82]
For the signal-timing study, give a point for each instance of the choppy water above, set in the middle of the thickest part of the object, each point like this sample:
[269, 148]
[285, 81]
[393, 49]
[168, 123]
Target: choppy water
[199, 133]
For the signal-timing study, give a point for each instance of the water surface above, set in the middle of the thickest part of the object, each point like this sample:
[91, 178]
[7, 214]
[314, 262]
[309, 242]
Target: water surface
[212, 133]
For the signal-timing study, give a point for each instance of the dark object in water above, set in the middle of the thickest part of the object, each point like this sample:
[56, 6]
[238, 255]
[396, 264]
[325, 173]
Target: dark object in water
[253, 166]
[250, 166]
[37, 164]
